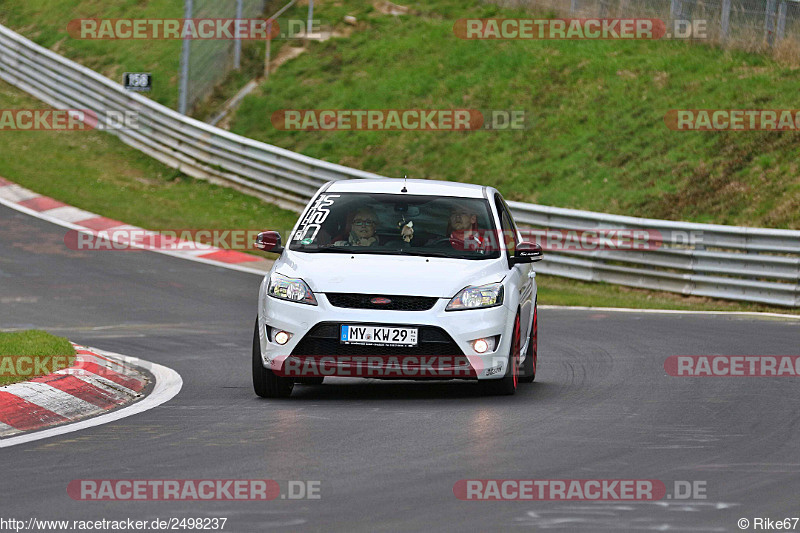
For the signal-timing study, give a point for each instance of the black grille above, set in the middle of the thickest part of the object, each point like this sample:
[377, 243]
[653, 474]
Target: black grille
[323, 339]
[398, 303]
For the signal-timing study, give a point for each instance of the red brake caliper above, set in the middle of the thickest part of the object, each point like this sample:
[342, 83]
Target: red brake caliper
[535, 338]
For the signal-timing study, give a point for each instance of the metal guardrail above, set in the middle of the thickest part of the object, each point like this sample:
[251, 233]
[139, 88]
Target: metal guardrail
[731, 262]
[193, 147]
[749, 264]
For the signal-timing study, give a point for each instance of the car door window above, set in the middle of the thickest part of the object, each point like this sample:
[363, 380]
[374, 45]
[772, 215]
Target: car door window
[509, 232]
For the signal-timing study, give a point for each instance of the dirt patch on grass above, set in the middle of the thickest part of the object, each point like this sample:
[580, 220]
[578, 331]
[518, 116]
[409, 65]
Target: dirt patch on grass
[388, 8]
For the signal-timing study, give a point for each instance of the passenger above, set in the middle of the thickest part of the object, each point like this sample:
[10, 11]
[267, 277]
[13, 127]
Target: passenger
[363, 230]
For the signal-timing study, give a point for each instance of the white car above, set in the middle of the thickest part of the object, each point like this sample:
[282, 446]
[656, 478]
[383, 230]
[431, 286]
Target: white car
[398, 279]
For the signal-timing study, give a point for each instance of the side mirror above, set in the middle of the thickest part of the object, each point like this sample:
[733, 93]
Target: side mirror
[527, 252]
[269, 241]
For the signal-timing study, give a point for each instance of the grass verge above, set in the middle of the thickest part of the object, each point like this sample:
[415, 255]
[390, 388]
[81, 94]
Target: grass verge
[38, 349]
[45, 23]
[95, 171]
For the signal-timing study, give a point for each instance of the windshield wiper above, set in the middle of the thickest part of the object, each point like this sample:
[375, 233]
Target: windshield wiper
[322, 249]
[371, 250]
[349, 250]
[433, 254]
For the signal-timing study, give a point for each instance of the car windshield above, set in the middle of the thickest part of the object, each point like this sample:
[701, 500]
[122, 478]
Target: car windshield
[397, 224]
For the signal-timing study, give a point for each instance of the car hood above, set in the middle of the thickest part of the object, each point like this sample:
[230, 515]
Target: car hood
[388, 274]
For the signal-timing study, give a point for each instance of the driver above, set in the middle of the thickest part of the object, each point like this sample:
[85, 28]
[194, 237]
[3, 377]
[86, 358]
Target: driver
[462, 229]
[462, 218]
[364, 229]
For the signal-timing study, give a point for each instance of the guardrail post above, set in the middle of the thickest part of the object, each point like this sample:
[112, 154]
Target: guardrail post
[269, 50]
[769, 23]
[573, 6]
[273, 18]
[237, 47]
[782, 20]
[183, 87]
[310, 18]
[676, 10]
[725, 19]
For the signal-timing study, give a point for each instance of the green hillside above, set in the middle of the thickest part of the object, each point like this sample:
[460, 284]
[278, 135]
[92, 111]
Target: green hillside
[598, 140]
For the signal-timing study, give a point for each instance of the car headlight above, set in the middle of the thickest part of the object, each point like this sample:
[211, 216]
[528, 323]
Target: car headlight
[490, 295]
[292, 289]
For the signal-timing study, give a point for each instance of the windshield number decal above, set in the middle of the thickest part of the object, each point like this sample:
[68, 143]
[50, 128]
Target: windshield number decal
[316, 216]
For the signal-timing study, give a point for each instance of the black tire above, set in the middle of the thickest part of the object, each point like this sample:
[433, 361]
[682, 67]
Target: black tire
[507, 385]
[313, 380]
[266, 383]
[528, 371]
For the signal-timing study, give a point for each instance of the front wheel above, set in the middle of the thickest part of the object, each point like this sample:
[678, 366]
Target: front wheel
[528, 372]
[267, 383]
[507, 385]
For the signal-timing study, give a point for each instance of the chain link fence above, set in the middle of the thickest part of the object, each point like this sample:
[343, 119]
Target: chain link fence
[745, 23]
[205, 63]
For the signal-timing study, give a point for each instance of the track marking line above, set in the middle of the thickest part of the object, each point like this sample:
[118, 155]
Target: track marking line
[669, 311]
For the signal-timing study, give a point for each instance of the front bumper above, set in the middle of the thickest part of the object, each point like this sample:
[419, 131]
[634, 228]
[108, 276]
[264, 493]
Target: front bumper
[445, 336]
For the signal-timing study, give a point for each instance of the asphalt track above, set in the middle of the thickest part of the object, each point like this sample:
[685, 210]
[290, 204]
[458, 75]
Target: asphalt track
[387, 454]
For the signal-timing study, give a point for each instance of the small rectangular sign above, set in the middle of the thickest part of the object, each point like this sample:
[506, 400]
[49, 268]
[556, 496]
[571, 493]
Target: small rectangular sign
[138, 81]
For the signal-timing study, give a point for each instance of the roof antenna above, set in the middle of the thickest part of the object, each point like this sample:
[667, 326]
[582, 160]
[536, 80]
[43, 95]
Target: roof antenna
[405, 178]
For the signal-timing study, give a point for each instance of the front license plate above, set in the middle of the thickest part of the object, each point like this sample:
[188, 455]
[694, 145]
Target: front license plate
[378, 335]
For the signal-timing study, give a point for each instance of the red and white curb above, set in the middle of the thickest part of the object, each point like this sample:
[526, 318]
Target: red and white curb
[46, 208]
[98, 383]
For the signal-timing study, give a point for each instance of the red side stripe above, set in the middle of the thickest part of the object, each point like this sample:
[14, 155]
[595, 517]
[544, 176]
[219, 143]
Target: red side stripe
[4, 182]
[99, 223]
[81, 389]
[116, 377]
[42, 203]
[25, 415]
[230, 256]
